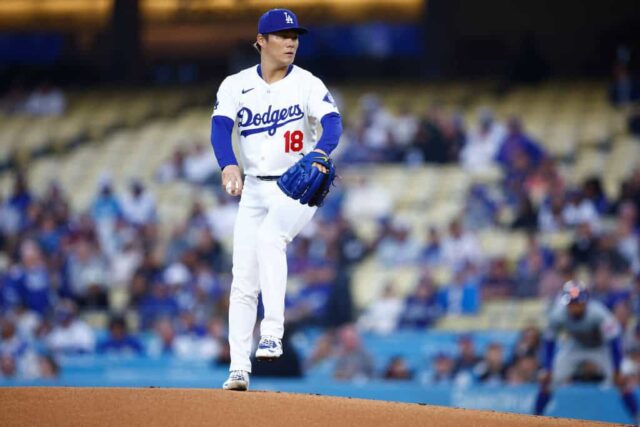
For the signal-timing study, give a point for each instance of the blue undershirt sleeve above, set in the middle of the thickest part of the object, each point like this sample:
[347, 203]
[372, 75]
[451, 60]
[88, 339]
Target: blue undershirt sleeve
[548, 349]
[221, 128]
[615, 345]
[331, 131]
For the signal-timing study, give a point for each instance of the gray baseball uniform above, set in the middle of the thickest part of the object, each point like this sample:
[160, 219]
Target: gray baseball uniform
[584, 339]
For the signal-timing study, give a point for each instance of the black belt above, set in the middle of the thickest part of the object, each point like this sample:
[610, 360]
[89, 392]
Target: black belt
[268, 177]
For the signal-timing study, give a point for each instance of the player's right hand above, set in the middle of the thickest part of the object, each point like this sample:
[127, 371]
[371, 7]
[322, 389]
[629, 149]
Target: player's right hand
[232, 180]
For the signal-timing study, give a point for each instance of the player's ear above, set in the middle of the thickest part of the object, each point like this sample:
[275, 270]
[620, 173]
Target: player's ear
[261, 40]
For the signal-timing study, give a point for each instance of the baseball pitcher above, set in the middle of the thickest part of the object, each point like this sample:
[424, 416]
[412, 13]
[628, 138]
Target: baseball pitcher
[274, 108]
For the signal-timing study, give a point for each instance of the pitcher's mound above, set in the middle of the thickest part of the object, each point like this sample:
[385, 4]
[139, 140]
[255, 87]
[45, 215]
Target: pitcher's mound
[171, 407]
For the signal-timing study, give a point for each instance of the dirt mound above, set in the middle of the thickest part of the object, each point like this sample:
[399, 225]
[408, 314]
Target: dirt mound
[170, 407]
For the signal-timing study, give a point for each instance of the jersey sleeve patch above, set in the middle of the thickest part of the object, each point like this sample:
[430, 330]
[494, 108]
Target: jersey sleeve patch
[328, 98]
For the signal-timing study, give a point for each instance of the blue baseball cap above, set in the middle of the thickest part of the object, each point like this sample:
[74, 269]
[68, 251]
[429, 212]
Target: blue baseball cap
[279, 20]
[574, 291]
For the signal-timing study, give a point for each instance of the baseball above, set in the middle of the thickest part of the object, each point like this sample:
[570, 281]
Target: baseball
[229, 188]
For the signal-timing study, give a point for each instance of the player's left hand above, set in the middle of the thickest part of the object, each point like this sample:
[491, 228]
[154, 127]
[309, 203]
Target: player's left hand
[310, 179]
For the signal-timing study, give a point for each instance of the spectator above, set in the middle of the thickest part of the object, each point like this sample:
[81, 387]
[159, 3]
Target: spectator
[430, 140]
[46, 100]
[323, 350]
[523, 371]
[222, 217]
[70, 334]
[139, 206]
[10, 220]
[199, 167]
[119, 341]
[352, 362]
[10, 342]
[491, 370]
[398, 247]
[381, 316]
[105, 212]
[550, 214]
[606, 252]
[210, 251]
[498, 282]
[106, 206]
[483, 144]
[443, 369]
[528, 344]
[48, 367]
[461, 296]
[26, 321]
[8, 367]
[432, 250]
[421, 309]
[454, 135]
[467, 357]
[21, 199]
[579, 209]
[628, 244]
[125, 262]
[195, 341]
[174, 168]
[163, 341]
[460, 247]
[397, 369]
[592, 190]
[544, 181]
[529, 274]
[87, 275]
[607, 287]
[526, 217]
[552, 280]
[584, 246]
[517, 143]
[481, 207]
[351, 248]
[367, 200]
[404, 128]
[374, 127]
[624, 89]
[30, 279]
[158, 304]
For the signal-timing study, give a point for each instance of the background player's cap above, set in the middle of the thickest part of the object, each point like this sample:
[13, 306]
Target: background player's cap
[279, 20]
[574, 291]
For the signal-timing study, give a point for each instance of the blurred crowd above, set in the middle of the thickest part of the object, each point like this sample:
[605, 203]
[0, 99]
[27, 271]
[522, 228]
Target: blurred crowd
[43, 100]
[167, 294]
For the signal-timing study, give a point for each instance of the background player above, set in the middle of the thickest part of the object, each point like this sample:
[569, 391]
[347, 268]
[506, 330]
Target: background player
[274, 108]
[592, 335]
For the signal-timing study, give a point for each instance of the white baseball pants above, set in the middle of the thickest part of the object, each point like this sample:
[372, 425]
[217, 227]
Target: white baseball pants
[267, 220]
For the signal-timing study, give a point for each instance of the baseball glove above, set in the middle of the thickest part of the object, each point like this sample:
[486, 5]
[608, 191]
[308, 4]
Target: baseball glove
[304, 182]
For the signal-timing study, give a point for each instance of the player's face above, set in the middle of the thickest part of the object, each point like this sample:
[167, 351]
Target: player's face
[281, 47]
[577, 309]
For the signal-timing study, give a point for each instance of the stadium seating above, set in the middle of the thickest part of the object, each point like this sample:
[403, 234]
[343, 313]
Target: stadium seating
[130, 134]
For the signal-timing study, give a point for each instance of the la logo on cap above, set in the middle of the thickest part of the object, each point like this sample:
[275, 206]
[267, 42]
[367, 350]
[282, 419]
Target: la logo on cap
[287, 18]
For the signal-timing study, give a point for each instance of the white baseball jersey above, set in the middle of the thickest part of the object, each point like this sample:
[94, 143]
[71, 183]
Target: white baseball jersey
[274, 123]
